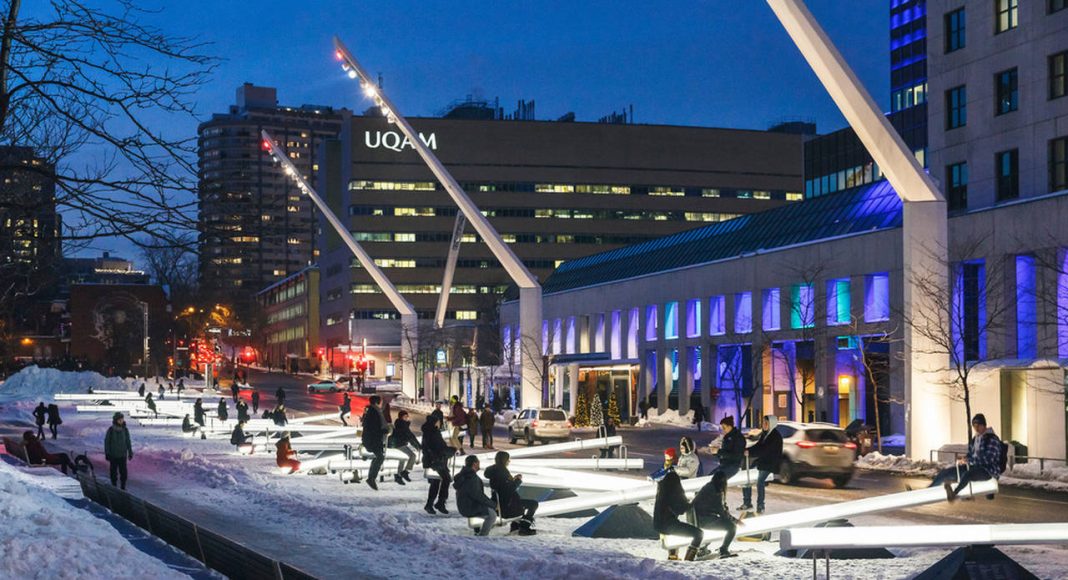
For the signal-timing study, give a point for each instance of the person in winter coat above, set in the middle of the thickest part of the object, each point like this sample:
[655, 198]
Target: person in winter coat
[485, 422]
[118, 449]
[198, 412]
[767, 453]
[732, 449]
[181, 386]
[280, 395]
[458, 420]
[472, 427]
[689, 463]
[234, 390]
[671, 503]
[471, 500]
[698, 412]
[255, 402]
[643, 409]
[983, 461]
[54, 420]
[222, 412]
[710, 509]
[39, 413]
[284, 456]
[161, 392]
[506, 488]
[436, 455]
[141, 390]
[437, 413]
[242, 411]
[279, 416]
[403, 440]
[375, 430]
[607, 430]
[151, 404]
[238, 437]
[188, 426]
[37, 454]
[345, 408]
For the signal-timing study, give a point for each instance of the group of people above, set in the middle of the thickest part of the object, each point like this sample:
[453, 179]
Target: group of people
[469, 420]
[47, 415]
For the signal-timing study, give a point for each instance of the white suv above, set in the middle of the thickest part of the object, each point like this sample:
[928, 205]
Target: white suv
[820, 450]
[539, 425]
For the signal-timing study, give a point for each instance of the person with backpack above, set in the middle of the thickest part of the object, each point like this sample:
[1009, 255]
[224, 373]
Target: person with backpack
[375, 430]
[767, 452]
[986, 459]
[403, 440]
[458, 420]
[39, 413]
[54, 420]
[436, 455]
[471, 500]
[118, 449]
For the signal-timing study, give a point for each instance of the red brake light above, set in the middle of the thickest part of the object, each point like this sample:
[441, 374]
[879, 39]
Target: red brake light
[569, 424]
[850, 445]
[805, 444]
[534, 423]
[266, 145]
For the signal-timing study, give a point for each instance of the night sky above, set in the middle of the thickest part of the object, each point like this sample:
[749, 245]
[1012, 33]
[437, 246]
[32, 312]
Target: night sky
[721, 63]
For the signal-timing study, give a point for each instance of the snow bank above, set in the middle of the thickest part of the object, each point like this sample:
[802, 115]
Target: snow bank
[43, 536]
[669, 417]
[35, 383]
[1053, 478]
[897, 464]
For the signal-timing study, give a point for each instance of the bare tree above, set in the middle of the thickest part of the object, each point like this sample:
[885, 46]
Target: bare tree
[173, 266]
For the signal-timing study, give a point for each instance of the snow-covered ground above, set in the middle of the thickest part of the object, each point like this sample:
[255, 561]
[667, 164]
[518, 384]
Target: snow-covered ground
[1054, 477]
[335, 530]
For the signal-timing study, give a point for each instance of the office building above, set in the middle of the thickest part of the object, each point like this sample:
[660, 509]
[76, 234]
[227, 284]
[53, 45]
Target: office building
[290, 339]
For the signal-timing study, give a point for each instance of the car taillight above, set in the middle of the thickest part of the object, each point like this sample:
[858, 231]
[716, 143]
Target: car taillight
[568, 424]
[805, 444]
[850, 445]
[534, 423]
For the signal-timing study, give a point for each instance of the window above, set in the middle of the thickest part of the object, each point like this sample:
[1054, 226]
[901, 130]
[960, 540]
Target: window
[954, 30]
[969, 311]
[1006, 15]
[770, 310]
[957, 185]
[838, 302]
[1057, 5]
[632, 333]
[651, 322]
[1007, 92]
[671, 320]
[956, 107]
[743, 312]
[802, 306]
[1007, 168]
[717, 315]
[693, 318]
[1058, 164]
[877, 297]
[1026, 308]
[1058, 75]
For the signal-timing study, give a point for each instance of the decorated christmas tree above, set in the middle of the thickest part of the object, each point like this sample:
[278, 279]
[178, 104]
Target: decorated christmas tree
[596, 411]
[582, 411]
[613, 408]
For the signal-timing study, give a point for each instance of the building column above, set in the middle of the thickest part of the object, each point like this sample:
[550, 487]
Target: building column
[709, 373]
[664, 381]
[686, 377]
[530, 350]
[572, 385]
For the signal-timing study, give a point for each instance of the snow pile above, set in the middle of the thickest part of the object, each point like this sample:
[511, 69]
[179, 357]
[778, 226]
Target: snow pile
[668, 417]
[35, 383]
[1053, 477]
[897, 464]
[43, 536]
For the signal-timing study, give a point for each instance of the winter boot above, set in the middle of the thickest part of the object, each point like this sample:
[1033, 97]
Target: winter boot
[745, 507]
[949, 491]
[526, 529]
[691, 553]
[372, 484]
[407, 477]
[429, 508]
[440, 506]
[397, 478]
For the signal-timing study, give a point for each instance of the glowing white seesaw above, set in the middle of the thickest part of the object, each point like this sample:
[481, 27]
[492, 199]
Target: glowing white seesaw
[824, 513]
[615, 463]
[98, 396]
[535, 451]
[922, 536]
[575, 481]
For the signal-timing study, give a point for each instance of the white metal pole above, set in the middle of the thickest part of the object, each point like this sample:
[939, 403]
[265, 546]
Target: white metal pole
[450, 270]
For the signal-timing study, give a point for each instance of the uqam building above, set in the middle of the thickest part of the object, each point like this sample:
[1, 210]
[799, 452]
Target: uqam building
[798, 311]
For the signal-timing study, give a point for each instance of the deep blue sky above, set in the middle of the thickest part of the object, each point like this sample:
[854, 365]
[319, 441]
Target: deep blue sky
[725, 63]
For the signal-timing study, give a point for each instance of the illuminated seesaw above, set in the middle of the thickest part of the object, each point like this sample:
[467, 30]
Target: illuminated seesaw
[535, 451]
[819, 514]
[922, 536]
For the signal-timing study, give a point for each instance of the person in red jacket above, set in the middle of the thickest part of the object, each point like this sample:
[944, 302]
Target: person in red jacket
[37, 454]
[458, 420]
[284, 454]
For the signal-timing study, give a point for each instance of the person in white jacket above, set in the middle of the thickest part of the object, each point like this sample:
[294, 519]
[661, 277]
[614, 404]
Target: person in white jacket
[689, 465]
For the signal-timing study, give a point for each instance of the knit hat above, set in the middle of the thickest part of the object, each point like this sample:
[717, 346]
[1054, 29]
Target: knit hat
[116, 416]
[670, 452]
[979, 419]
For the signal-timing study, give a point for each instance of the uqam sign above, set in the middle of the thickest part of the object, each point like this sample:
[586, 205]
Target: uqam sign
[395, 141]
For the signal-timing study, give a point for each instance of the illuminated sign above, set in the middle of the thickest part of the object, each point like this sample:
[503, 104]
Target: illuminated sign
[395, 141]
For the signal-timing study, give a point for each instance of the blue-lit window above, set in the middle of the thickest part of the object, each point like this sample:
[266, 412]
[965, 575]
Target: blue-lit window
[615, 341]
[717, 315]
[693, 318]
[838, 302]
[954, 30]
[558, 335]
[802, 306]
[671, 320]
[1026, 308]
[1062, 304]
[956, 107]
[771, 310]
[651, 322]
[877, 297]
[1006, 16]
[598, 333]
[968, 312]
[1007, 169]
[632, 333]
[544, 337]
[743, 312]
[1007, 91]
[571, 338]
[957, 186]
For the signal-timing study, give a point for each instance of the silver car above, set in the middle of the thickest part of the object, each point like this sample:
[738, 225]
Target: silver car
[539, 425]
[819, 450]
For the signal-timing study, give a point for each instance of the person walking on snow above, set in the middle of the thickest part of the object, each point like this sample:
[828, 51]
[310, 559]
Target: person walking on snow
[458, 420]
[375, 430]
[161, 392]
[54, 420]
[280, 395]
[472, 427]
[471, 500]
[118, 449]
[39, 413]
[486, 421]
[344, 408]
[403, 440]
[671, 503]
[222, 412]
[255, 402]
[768, 454]
[141, 390]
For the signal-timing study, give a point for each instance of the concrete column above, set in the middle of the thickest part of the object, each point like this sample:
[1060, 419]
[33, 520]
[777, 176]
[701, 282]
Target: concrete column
[582, 333]
[409, 350]
[709, 372]
[686, 377]
[531, 379]
[572, 385]
[664, 383]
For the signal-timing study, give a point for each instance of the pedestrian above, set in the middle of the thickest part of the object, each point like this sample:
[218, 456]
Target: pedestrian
[698, 413]
[437, 413]
[689, 463]
[255, 402]
[767, 452]
[222, 412]
[643, 409]
[472, 427]
[54, 420]
[458, 420]
[486, 421]
[985, 460]
[198, 412]
[403, 440]
[344, 408]
[731, 449]
[238, 436]
[375, 430]
[242, 411]
[279, 416]
[151, 404]
[38, 455]
[188, 426]
[506, 487]
[141, 390]
[284, 455]
[118, 449]
[161, 392]
[234, 390]
[710, 510]
[471, 500]
[607, 430]
[671, 503]
[436, 455]
[280, 395]
[39, 413]
[170, 387]
[181, 385]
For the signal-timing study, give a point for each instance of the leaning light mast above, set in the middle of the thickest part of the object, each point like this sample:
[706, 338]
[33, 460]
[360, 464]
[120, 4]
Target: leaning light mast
[409, 320]
[529, 290]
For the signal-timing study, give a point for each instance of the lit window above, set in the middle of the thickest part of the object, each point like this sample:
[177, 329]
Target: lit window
[1007, 169]
[957, 186]
[838, 303]
[393, 185]
[667, 191]
[1026, 308]
[954, 30]
[508, 238]
[956, 107]
[1006, 85]
[1058, 75]
[1058, 164]
[671, 320]
[771, 311]
[743, 312]
[279, 272]
[403, 237]
[761, 195]
[466, 315]
[877, 297]
[794, 196]
[802, 306]
[717, 315]
[554, 188]
[709, 193]
[1006, 15]
[651, 322]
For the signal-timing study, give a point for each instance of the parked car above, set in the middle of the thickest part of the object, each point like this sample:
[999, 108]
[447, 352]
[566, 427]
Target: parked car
[819, 450]
[539, 425]
[326, 386]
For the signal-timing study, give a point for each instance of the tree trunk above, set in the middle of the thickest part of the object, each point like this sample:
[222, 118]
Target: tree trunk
[5, 57]
[967, 412]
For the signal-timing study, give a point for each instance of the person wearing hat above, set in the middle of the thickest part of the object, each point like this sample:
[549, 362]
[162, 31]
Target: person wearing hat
[284, 454]
[671, 503]
[118, 449]
[689, 463]
[983, 461]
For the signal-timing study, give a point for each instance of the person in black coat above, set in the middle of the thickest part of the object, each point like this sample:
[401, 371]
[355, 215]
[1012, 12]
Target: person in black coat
[188, 426]
[39, 413]
[222, 412]
[607, 430]
[151, 404]
[436, 455]
[242, 411]
[732, 451]
[280, 395]
[671, 503]
[437, 413]
[486, 421]
[375, 429]
[238, 437]
[506, 488]
[710, 510]
[471, 500]
[767, 452]
[403, 440]
[54, 420]
[198, 412]
[255, 402]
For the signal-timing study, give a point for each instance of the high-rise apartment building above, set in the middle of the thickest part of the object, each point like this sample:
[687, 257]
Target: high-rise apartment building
[30, 233]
